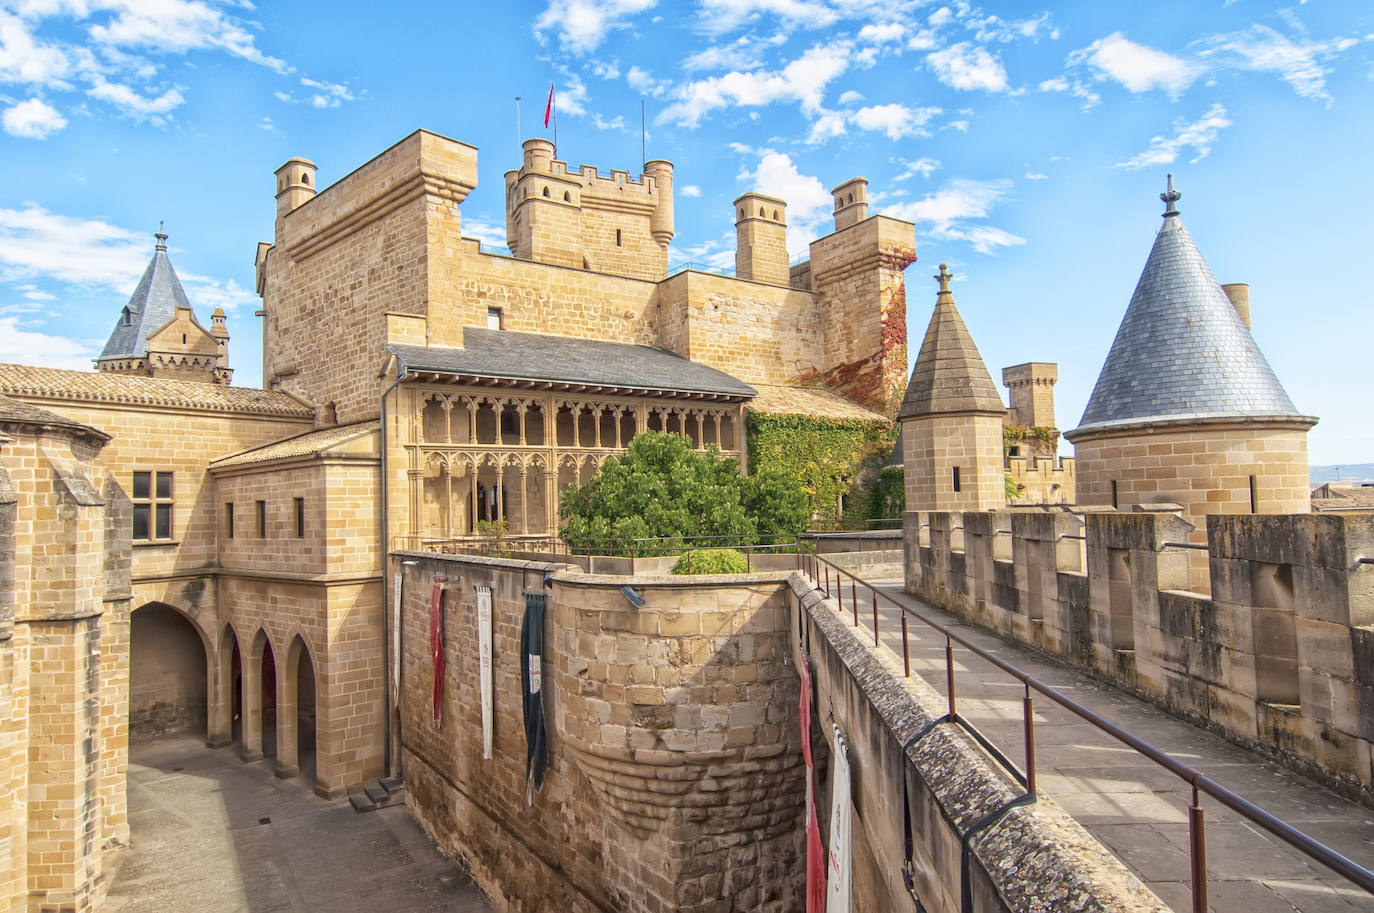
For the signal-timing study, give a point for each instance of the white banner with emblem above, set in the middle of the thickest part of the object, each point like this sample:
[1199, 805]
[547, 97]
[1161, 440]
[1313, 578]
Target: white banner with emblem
[839, 870]
[484, 664]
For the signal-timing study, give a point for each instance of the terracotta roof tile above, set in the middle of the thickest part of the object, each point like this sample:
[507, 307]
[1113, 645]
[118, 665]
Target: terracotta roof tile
[93, 386]
[299, 445]
[776, 399]
[14, 411]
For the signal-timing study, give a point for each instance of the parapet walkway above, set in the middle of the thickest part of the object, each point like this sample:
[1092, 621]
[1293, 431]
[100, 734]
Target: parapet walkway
[215, 835]
[1135, 808]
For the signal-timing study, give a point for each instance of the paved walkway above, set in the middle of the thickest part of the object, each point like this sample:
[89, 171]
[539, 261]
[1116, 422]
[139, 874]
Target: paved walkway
[215, 835]
[1136, 808]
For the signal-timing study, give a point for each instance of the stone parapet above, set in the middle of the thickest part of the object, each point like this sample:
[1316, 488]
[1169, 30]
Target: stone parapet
[1279, 656]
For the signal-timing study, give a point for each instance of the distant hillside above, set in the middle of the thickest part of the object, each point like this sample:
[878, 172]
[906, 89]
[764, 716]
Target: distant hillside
[1351, 472]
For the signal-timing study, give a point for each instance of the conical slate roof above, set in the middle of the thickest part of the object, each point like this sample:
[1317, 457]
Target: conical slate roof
[1181, 350]
[152, 304]
[949, 375]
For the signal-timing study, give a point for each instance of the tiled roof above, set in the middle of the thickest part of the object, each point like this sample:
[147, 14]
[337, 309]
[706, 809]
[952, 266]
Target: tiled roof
[1181, 350]
[502, 354]
[777, 399]
[93, 386]
[299, 445]
[153, 303]
[12, 410]
[950, 375]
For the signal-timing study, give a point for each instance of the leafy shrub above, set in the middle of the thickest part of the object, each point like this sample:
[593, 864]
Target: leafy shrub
[714, 561]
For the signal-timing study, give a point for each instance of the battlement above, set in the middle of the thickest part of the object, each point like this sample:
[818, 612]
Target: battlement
[1043, 480]
[615, 224]
[1278, 655]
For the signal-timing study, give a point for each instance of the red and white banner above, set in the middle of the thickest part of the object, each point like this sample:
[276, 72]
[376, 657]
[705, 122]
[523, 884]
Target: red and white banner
[815, 850]
[484, 665]
[436, 646]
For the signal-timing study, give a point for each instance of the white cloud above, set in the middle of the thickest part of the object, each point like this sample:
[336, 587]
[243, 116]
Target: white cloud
[717, 253]
[827, 125]
[1260, 48]
[616, 123]
[993, 28]
[744, 53]
[966, 66]
[137, 106]
[582, 25]
[175, 26]
[32, 119]
[802, 80]
[606, 69]
[948, 210]
[42, 349]
[895, 120]
[1072, 87]
[909, 169]
[488, 232]
[642, 81]
[721, 16]
[1036, 176]
[691, 190]
[851, 97]
[882, 34]
[1198, 136]
[24, 59]
[808, 201]
[206, 294]
[1138, 67]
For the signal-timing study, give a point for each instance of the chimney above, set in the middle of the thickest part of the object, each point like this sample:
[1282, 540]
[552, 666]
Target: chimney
[1239, 293]
[761, 239]
[851, 202]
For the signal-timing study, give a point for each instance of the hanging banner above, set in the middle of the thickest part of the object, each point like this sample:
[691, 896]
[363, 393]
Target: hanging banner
[837, 881]
[484, 664]
[531, 686]
[815, 851]
[436, 646]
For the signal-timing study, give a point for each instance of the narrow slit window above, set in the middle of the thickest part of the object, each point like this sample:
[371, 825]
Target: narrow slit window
[1254, 496]
[300, 518]
[617, 237]
[957, 482]
[262, 519]
[1114, 504]
[229, 520]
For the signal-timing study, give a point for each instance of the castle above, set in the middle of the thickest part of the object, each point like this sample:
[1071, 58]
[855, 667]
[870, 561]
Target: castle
[180, 553]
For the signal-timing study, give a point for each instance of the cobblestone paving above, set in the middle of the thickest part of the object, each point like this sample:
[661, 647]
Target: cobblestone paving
[1136, 808]
[215, 835]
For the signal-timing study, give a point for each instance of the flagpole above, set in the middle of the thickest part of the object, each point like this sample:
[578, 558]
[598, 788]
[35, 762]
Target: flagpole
[517, 122]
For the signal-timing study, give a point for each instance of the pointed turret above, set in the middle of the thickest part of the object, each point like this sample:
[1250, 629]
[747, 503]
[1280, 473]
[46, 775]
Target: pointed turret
[1186, 409]
[157, 334]
[951, 419]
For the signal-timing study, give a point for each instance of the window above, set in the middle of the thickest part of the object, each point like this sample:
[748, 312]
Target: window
[493, 318]
[300, 518]
[956, 479]
[262, 519]
[1254, 496]
[1114, 504]
[617, 237]
[152, 500]
[229, 520]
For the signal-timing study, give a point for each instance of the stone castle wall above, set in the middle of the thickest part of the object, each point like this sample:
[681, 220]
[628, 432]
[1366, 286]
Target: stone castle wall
[674, 769]
[1044, 480]
[1279, 657]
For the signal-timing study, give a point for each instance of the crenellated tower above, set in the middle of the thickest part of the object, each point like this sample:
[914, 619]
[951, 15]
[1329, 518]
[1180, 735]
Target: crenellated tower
[612, 224]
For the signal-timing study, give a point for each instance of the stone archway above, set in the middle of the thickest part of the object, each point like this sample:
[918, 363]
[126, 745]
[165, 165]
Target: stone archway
[168, 662]
[296, 712]
[259, 692]
[226, 692]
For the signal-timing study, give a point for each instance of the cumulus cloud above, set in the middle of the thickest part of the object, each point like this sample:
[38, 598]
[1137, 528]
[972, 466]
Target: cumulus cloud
[1137, 67]
[31, 347]
[691, 190]
[947, 213]
[582, 25]
[26, 60]
[139, 107]
[967, 67]
[809, 203]
[882, 34]
[490, 233]
[32, 119]
[895, 120]
[177, 26]
[1198, 136]
[721, 16]
[910, 169]
[803, 80]
[744, 53]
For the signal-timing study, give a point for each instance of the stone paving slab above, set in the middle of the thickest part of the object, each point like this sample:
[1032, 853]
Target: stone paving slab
[200, 843]
[1133, 806]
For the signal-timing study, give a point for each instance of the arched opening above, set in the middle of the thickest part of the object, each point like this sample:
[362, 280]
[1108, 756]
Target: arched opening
[267, 693]
[296, 714]
[228, 709]
[167, 674]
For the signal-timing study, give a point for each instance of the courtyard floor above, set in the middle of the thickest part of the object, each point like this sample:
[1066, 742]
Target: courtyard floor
[216, 835]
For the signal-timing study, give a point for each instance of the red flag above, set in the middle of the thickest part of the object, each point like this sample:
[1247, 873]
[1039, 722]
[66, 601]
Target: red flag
[436, 644]
[548, 109]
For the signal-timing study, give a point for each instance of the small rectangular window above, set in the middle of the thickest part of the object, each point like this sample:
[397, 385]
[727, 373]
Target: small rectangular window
[957, 486]
[617, 237]
[262, 519]
[229, 520]
[1254, 496]
[152, 506]
[300, 518]
[493, 318]
[1114, 504]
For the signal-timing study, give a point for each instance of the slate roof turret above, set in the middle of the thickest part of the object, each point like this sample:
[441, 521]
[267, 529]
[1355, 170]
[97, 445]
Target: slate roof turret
[152, 305]
[950, 376]
[1181, 351]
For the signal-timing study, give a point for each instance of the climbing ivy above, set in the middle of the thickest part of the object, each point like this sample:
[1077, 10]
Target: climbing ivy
[1015, 434]
[825, 455]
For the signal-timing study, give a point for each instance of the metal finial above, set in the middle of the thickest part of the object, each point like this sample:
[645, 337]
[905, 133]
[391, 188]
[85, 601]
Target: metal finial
[161, 236]
[1170, 198]
[944, 276]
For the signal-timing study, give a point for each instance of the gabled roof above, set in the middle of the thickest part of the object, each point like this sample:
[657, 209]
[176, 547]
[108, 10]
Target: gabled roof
[500, 356]
[152, 305]
[1181, 351]
[780, 399]
[97, 387]
[308, 444]
[950, 375]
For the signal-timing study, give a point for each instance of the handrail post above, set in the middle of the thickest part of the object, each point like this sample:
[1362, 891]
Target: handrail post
[853, 600]
[1197, 853]
[875, 618]
[1028, 712]
[949, 675]
[906, 653]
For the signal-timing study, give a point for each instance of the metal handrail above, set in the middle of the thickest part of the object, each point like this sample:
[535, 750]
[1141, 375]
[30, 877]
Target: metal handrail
[819, 569]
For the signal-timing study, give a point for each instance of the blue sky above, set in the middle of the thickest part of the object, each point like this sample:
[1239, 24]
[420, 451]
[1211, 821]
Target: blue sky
[1027, 142]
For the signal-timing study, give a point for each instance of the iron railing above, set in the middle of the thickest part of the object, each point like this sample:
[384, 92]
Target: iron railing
[655, 547]
[830, 579]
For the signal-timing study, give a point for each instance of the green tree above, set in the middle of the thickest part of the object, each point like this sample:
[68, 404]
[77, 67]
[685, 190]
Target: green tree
[662, 487]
